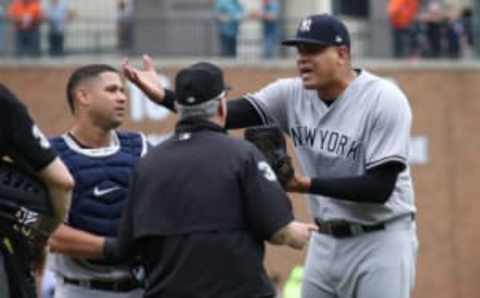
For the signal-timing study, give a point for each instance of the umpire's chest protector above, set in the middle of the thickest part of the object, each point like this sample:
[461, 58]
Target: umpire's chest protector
[101, 180]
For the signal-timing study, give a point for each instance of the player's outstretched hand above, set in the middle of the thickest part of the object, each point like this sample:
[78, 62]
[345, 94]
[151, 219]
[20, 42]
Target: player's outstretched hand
[146, 79]
[299, 184]
[300, 234]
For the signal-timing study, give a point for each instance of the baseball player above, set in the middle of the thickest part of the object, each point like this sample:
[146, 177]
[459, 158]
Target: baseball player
[101, 160]
[22, 142]
[351, 132]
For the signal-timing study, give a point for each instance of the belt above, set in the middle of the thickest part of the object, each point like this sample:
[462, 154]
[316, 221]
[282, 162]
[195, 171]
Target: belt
[121, 285]
[345, 229]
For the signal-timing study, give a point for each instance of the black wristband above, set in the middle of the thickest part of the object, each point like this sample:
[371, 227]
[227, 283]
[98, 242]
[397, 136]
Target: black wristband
[169, 100]
[109, 248]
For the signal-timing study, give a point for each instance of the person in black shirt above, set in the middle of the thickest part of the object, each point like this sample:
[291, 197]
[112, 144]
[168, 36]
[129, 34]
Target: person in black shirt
[202, 203]
[22, 142]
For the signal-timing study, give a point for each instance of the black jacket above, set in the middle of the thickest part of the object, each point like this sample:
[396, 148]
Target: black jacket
[199, 211]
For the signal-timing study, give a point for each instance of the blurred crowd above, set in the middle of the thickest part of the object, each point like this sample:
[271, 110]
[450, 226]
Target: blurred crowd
[27, 17]
[420, 28]
[430, 29]
[230, 13]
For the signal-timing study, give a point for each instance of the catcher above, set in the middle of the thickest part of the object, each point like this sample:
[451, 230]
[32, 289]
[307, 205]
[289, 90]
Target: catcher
[35, 191]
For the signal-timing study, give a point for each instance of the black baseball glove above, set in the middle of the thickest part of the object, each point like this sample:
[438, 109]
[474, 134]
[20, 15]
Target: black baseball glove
[26, 212]
[271, 142]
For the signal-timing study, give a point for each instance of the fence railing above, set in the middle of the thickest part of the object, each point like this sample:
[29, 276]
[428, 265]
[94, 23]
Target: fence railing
[181, 37]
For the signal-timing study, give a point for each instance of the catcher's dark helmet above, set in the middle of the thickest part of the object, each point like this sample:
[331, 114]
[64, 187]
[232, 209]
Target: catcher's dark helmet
[24, 201]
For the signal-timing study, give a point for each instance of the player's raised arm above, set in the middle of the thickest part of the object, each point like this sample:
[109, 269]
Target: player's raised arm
[241, 113]
[148, 81]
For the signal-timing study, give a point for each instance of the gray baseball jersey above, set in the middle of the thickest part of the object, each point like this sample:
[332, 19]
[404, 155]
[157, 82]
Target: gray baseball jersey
[369, 124]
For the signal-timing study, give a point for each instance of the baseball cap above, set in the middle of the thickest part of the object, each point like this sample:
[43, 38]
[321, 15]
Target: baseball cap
[322, 29]
[199, 83]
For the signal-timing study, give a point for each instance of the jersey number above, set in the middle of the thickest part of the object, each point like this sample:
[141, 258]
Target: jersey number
[267, 171]
[38, 134]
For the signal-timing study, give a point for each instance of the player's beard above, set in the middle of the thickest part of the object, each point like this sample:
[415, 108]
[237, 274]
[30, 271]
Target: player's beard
[315, 82]
[108, 122]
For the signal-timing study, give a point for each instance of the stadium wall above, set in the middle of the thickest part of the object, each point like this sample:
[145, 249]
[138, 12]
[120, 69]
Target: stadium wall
[446, 170]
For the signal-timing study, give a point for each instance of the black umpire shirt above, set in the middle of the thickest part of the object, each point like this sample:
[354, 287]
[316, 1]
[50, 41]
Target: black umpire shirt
[23, 142]
[200, 207]
[19, 137]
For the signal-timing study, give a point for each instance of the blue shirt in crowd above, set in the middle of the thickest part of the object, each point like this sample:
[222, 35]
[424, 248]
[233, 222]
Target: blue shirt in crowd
[229, 13]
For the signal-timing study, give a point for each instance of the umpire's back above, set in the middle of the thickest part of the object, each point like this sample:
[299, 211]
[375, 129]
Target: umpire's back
[193, 182]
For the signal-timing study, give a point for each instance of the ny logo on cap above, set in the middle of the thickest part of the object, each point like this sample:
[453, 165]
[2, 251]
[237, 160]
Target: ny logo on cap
[338, 39]
[305, 25]
[191, 99]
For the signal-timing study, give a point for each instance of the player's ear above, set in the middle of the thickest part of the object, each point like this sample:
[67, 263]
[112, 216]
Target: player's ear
[81, 97]
[343, 54]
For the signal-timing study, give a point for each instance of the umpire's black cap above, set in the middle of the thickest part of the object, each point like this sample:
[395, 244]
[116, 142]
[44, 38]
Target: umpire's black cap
[323, 30]
[199, 83]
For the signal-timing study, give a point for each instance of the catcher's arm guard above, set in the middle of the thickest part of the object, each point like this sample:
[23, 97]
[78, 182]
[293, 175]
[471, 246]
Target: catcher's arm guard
[271, 142]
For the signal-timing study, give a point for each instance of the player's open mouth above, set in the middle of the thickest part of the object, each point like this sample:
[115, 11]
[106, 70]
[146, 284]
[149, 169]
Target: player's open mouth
[305, 72]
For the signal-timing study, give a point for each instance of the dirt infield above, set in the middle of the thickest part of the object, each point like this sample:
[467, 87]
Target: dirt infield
[446, 111]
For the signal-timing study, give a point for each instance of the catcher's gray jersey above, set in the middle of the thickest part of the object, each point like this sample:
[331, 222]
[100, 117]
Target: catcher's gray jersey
[369, 124]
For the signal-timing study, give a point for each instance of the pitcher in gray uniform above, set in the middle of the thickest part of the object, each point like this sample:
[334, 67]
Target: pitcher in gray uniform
[351, 132]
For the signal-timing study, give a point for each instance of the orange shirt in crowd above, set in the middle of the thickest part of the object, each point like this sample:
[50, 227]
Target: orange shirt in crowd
[402, 12]
[25, 14]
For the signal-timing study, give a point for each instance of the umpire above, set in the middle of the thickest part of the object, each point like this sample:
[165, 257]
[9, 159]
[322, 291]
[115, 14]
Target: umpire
[30, 209]
[202, 204]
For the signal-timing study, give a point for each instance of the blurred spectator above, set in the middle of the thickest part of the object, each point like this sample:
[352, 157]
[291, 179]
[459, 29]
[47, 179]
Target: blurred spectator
[402, 15]
[434, 20]
[229, 14]
[125, 25]
[57, 15]
[27, 16]
[447, 32]
[2, 28]
[453, 31]
[270, 17]
[466, 19]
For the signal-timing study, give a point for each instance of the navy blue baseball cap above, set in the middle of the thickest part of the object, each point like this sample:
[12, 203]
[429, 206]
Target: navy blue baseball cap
[323, 30]
[199, 83]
